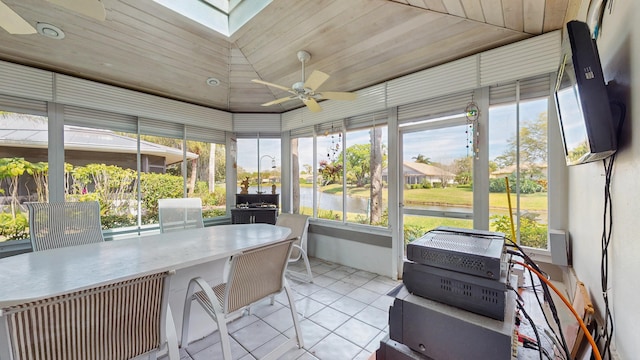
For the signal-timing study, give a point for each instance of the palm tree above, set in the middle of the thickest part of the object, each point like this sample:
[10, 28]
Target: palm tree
[422, 159]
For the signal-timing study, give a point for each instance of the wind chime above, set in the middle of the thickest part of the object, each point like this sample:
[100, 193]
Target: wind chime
[334, 148]
[472, 112]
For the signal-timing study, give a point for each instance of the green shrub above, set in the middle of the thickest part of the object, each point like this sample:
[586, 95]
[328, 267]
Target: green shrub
[217, 198]
[116, 221]
[497, 185]
[412, 232]
[425, 185]
[527, 186]
[213, 213]
[532, 233]
[14, 228]
[158, 186]
[202, 187]
[329, 214]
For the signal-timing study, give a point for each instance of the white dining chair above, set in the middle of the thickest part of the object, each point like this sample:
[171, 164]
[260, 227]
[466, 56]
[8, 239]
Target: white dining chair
[299, 225]
[180, 214]
[55, 225]
[117, 321]
[254, 275]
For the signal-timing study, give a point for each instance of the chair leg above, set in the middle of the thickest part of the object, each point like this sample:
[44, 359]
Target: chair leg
[186, 315]
[224, 337]
[294, 314]
[306, 264]
[172, 337]
[301, 276]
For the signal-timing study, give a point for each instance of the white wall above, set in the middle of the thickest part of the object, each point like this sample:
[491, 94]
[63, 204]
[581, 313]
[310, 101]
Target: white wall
[586, 184]
[372, 258]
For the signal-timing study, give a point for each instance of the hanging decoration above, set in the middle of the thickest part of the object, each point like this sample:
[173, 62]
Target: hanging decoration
[336, 141]
[472, 112]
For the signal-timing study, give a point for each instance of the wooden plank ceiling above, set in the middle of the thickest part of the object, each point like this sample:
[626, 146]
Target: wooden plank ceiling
[146, 47]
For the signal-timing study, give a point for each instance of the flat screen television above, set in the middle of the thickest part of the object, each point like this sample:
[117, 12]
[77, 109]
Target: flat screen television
[582, 102]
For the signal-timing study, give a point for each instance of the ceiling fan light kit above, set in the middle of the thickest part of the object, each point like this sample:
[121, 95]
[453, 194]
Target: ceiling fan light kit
[306, 90]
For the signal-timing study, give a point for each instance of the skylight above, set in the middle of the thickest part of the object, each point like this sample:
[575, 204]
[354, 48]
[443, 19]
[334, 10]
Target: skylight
[223, 16]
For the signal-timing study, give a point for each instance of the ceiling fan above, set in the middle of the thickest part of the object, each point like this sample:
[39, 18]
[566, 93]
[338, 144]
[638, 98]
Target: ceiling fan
[15, 24]
[307, 90]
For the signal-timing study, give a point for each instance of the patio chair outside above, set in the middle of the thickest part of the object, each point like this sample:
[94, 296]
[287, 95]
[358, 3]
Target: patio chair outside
[298, 224]
[55, 225]
[180, 214]
[117, 321]
[253, 275]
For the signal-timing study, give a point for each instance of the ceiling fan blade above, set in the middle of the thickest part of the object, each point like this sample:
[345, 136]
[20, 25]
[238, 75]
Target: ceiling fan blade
[279, 101]
[312, 104]
[91, 8]
[272, 85]
[14, 23]
[316, 79]
[337, 95]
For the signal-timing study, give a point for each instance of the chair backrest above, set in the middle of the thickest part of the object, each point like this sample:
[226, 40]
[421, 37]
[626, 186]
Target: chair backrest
[116, 321]
[298, 224]
[256, 274]
[180, 214]
[55, 225]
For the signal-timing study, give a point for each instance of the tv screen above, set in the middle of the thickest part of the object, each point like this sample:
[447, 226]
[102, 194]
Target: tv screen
[582, 102]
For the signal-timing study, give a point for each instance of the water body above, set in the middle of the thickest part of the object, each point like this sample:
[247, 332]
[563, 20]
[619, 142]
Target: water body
[358, 205]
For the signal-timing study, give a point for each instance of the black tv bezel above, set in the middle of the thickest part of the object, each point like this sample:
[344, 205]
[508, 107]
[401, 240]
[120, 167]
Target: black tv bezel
[581, 50]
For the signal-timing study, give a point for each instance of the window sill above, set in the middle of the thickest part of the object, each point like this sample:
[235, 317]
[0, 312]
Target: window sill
[14, 247]
[366, 229]
[538, 255]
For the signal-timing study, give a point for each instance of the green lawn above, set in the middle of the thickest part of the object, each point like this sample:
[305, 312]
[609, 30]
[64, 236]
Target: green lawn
[453, 196]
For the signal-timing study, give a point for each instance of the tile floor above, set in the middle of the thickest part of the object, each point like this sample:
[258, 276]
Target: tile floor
[343, 315]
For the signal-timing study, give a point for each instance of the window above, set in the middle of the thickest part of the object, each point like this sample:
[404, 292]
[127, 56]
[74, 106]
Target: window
[352, 193]
[101, 165]
[206, 176]
[366, 155]
[330, 185]
[102, 158]
[518, 152]
[302, 180]
[23, 170]
[259, 162]
[437, 173]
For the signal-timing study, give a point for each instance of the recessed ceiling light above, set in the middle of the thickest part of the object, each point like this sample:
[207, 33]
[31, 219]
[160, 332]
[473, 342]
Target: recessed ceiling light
[213, 81]
[50, 31]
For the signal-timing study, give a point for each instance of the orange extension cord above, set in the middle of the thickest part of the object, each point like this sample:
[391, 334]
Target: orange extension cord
[596, 353]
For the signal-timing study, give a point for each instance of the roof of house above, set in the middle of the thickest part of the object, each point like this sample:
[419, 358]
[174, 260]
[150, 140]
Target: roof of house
[512, 168]
[425, 169]
[414, 168]
[31, 132]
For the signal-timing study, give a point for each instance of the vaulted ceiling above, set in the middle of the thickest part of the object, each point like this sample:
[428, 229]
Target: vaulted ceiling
[144, 46]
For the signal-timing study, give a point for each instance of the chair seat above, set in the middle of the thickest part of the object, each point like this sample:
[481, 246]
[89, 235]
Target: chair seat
[203, 299]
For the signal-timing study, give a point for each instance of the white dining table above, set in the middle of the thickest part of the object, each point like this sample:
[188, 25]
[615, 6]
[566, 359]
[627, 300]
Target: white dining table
[197, 252]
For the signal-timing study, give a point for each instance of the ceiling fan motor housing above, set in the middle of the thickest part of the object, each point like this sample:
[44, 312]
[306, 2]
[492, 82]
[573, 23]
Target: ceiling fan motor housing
[303, 56]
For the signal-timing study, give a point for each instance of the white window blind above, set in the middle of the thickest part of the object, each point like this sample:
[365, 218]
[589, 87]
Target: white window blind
[205, 134]
[161, 128]
[22, 105]
[439, 106]
[97, 119]
[531, 88]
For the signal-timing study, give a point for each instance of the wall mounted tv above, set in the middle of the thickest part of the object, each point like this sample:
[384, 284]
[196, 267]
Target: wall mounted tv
[584, 111]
